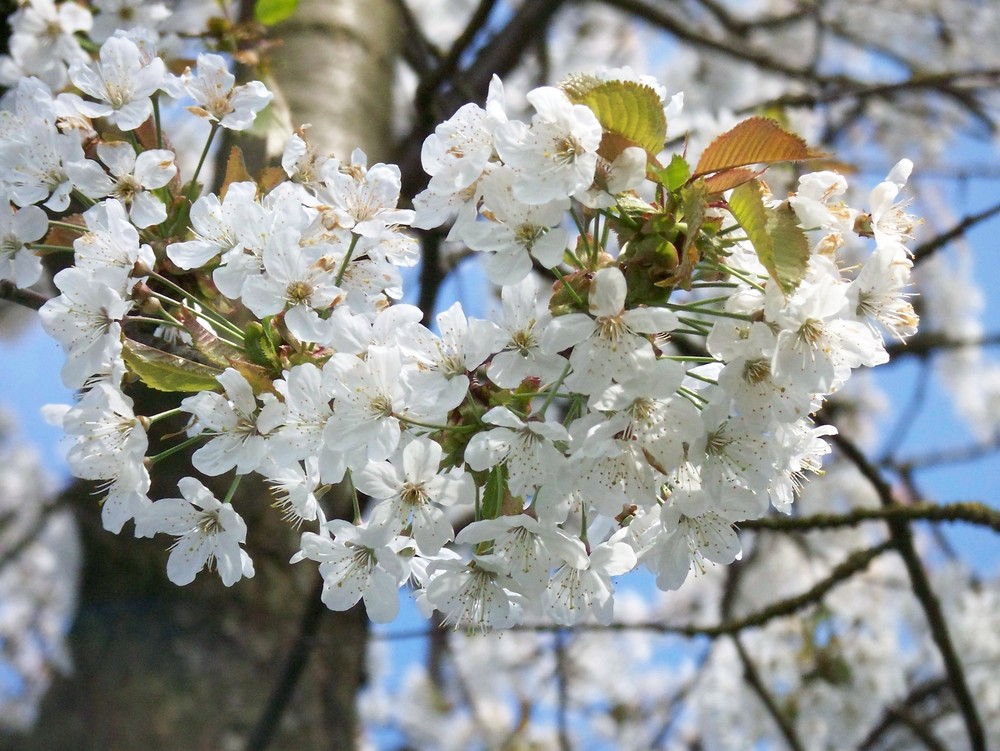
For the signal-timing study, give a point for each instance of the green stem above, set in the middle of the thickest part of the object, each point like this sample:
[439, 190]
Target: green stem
[553, 390]
[232, 488]
[709, 312]
[193, 186]
[164, 415]
[695, 304]
[206, 311]
[157, 321]
[347, 259]
[692, 396]
[431, 426]
[572, 292]
[174, 449]
[156, 120]
[67, 225]
[581, 228]
[354, 497]
[702, 378]
[701, 327]
[687, 358]
[740, 275]
[52, 248]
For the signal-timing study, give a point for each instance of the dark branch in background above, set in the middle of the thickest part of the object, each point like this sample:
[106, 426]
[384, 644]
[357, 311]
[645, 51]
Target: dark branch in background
[891, 716]
[908, 415]
[29, 535]
[926, 249]
[902, 537]
[431, 273]
[449, 65]
[295, 665]
[444, 87]
[947, 456]
[752, 676]
[417, 51]
[969, 512]
[24, 297]
[918, 728]
[853, 564]
[726, 47]
[923, 345]
[847, 89]
[498, 56]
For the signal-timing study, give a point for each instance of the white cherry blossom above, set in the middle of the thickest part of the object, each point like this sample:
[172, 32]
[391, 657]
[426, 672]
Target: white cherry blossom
[122, 82]
[209, 533]
[219, 99]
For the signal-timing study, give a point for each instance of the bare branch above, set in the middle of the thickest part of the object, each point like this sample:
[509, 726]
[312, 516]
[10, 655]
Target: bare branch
[902, 537]
[753, 679]
[925, 344]
[927, 248]
[970, 512]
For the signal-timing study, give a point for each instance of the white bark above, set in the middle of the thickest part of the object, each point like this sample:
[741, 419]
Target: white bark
[335, 72]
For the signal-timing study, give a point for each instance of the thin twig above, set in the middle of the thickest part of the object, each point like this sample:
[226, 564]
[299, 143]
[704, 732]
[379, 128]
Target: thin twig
[930, 343]
[908, 414]
[754, 680]
[927, 248]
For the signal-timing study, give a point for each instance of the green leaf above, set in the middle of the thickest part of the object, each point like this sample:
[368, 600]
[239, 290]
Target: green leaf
[624, 108]
[791, 247]
[270, 12]
[167, 372]
[781, 245]
[494, 492]
[259, 348]
[676, 173]
[694, 202]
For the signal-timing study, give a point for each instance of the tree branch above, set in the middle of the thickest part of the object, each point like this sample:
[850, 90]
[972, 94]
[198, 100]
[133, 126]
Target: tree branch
[927, 248]
[971, 512]
[853, 564]
[25, 297]
[752, 677]
[902, 537]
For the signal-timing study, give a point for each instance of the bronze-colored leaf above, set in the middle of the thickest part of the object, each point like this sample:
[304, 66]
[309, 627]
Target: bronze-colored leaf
[720, 182]
[236, 171]
[758, 140]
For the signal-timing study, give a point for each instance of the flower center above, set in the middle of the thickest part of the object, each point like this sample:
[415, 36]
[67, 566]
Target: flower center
[298, 293]
[755, 371]
[208, 523]
[568, 149]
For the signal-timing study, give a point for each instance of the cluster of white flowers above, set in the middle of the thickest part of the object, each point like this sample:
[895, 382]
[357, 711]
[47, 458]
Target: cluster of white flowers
[628, 415]
[831, 669]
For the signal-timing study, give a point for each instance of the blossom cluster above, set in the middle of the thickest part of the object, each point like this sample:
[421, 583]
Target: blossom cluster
[654, 391]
